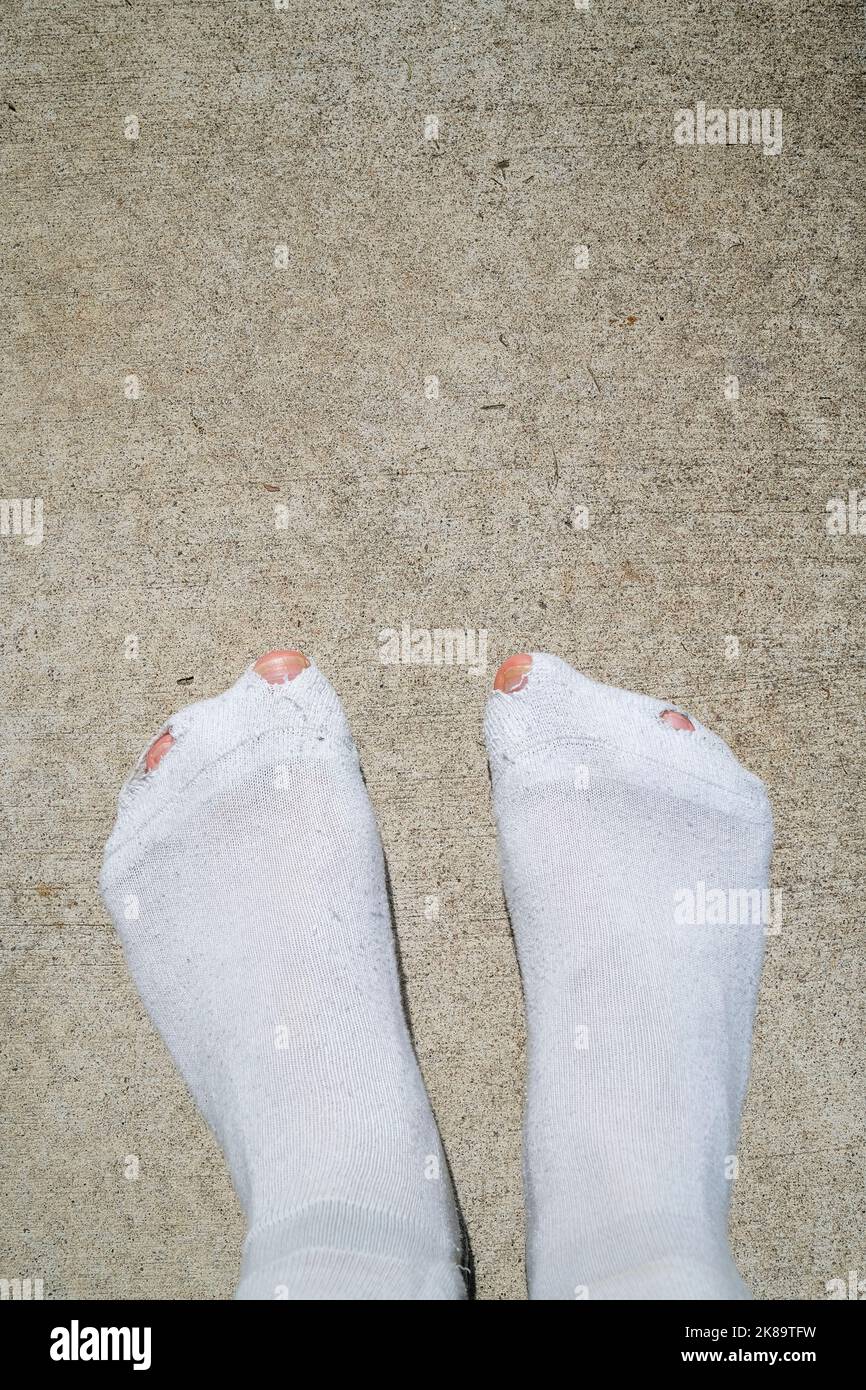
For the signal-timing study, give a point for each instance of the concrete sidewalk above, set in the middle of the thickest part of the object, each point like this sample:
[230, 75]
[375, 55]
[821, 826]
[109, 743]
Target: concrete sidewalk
[323, 320]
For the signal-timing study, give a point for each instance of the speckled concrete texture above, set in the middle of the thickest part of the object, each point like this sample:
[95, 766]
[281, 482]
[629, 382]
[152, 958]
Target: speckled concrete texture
[240, 446]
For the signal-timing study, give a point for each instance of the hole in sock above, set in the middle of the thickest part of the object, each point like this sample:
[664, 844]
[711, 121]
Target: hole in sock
[157, 751]
[278, 667]
[675, 720]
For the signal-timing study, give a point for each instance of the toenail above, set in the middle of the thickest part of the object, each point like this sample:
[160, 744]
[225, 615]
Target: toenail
[676, 720]
[513, 674]
[276, 667]
[157, 751]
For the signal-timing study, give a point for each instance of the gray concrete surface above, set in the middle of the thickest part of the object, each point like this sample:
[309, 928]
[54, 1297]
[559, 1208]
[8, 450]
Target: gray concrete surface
[303, 388]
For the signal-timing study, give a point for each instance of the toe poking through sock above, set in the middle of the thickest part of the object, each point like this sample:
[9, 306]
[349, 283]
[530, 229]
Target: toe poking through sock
[279, 666]
[675, 720]
[513, 674]
[157, 751]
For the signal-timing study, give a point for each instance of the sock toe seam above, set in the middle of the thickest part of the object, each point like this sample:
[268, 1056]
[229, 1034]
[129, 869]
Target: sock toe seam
[756, 789]
[134, 791]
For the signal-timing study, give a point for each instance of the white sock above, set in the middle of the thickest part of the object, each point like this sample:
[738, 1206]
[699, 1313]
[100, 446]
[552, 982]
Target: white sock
[245, 876]
[639, 1025]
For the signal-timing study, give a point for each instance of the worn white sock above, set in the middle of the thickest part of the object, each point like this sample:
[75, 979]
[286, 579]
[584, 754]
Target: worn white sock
[245, 876]
[615, 830]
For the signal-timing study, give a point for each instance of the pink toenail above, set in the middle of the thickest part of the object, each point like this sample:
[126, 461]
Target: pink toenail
[157, 751]
[276, 667]
[513, 674]
[676, 720]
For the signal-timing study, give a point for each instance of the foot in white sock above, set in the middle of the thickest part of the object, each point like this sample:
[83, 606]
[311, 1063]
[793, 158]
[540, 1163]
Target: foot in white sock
[634, 848]
[245, 876]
